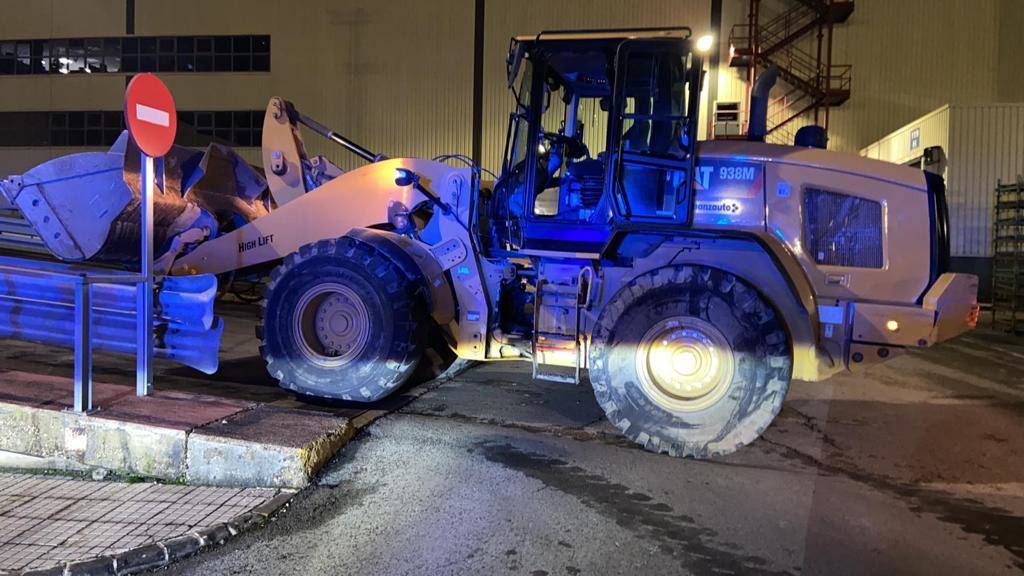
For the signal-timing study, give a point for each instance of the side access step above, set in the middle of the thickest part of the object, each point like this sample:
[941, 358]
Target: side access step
[557, 314]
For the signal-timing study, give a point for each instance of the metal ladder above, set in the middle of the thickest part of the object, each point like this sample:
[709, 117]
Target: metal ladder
[557, 294]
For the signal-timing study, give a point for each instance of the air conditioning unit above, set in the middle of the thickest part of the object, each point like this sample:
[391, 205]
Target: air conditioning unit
[728, 119]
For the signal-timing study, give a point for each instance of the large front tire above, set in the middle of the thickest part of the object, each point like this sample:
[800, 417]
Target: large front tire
[690, 361]
[342, 321]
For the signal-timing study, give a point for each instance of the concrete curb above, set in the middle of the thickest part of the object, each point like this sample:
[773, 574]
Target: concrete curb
[170, 435]
[163, 553]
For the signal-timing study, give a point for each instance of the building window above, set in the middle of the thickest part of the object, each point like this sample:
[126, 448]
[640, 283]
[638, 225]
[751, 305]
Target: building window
[131, 54]
[238, 128]
[241, 128]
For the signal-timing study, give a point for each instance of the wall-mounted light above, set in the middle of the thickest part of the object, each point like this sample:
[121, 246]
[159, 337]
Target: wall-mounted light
[705, 43]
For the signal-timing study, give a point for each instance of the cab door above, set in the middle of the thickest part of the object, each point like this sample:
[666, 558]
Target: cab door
[653, 131]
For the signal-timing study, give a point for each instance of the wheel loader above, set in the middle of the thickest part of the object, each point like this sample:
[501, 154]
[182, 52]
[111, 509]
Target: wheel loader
[689, 282]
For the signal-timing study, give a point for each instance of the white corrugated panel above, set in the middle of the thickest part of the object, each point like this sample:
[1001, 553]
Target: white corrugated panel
[909, 142]
[983, 144]
[986, 144]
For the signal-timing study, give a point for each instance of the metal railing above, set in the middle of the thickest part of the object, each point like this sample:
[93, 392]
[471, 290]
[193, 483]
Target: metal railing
[17, 234]
[82, 283]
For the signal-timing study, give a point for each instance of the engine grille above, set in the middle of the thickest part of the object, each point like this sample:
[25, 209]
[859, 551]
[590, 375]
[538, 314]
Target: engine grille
[843, 230]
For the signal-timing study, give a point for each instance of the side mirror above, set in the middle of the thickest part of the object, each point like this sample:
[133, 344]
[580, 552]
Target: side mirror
[515, 60]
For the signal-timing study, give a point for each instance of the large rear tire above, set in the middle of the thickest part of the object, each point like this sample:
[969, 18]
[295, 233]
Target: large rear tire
[690, 361]
[342, 321]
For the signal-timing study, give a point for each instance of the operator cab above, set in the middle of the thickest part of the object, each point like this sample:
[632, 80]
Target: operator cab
[602, 138]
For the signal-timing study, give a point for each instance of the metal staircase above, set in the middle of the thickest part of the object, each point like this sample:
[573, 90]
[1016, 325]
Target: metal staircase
[799, 42]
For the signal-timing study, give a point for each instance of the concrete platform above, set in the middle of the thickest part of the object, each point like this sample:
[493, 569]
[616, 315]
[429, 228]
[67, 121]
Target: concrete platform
[170, 435]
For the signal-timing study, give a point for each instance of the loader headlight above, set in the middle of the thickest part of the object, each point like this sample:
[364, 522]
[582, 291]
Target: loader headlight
[400, 221]
[892, 326]
[398, 216]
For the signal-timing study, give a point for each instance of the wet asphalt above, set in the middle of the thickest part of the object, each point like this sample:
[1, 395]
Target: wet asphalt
[914, 467]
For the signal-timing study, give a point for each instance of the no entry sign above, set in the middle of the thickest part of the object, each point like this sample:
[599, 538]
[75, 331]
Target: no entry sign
[150, 114]
[152, 121]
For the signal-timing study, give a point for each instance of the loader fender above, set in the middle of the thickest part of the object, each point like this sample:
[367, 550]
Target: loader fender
[418, 264]
[785, 287]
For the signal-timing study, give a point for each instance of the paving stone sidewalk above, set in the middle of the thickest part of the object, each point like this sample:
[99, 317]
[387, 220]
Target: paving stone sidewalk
[47, 520]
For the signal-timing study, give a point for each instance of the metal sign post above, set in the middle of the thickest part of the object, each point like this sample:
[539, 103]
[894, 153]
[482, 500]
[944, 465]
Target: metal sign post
[152, 121]
[83, 345]
[144, 292]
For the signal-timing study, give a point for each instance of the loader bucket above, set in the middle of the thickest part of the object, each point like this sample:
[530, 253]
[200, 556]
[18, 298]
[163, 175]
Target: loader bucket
[72, 201]
[87, 207]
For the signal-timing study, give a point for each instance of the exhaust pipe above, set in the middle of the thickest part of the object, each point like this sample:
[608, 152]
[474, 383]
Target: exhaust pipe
[758, 126]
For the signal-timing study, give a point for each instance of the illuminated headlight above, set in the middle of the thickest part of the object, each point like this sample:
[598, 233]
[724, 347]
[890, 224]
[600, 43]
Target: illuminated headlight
[892, 326]
[400, 220]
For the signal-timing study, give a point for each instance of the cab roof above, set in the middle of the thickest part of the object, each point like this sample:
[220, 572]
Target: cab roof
[580, 58]
[611, 36]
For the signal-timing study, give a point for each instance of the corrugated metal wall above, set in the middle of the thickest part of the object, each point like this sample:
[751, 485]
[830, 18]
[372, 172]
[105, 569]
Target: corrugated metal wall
[340, 62]
[908, 57]
[983, 144]
[507, 18]
[912, 56]
[986, 144]
[907, 61]
[397, 77]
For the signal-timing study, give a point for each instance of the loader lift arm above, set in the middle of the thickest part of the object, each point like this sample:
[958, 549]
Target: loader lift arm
[290, 171]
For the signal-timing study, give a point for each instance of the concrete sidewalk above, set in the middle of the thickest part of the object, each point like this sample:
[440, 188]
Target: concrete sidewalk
[170, 435]
[48, 522]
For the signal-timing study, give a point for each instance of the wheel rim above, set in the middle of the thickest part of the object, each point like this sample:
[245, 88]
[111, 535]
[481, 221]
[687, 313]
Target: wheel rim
[331, 325]
[685, 364]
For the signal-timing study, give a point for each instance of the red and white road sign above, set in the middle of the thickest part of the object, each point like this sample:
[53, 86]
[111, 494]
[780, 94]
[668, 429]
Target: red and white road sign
[150, 114]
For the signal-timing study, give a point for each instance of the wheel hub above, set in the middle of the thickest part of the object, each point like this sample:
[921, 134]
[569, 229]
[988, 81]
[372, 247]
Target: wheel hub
[684, 363]
[332, 324]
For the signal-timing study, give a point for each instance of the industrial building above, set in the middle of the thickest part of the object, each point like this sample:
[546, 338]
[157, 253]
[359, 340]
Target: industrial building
[65, 63]
[340, 62]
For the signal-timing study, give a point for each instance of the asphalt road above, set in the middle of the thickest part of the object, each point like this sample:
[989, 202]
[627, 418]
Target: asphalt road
[915, 467]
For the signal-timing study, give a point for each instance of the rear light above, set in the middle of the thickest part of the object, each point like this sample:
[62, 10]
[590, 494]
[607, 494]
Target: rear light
[972, 316]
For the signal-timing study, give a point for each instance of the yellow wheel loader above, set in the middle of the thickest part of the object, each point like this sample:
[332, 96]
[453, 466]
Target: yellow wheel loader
[690, 281]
